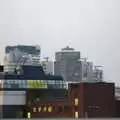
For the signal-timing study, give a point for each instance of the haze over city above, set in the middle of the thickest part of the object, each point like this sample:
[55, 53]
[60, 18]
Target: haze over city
[90, 26]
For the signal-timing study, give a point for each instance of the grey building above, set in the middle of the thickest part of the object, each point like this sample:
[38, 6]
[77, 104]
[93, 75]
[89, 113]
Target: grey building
[19, 55]
[73, 68]
[68, 65]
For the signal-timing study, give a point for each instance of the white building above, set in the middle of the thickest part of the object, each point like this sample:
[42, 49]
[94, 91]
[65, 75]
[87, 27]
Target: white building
[98, 74]
[87, 70]
[48, 67]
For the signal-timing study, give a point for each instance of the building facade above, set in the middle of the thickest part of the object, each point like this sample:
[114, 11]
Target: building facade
[14, 89]
[45, 96]
[73, 68]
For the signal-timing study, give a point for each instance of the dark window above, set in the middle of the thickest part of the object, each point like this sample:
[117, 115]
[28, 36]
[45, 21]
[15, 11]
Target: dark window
[66, 108]
[76, 108]
[75, 86]
[59, 108]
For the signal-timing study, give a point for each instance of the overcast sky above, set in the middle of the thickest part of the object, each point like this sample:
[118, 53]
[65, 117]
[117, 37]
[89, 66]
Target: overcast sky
[90, 26]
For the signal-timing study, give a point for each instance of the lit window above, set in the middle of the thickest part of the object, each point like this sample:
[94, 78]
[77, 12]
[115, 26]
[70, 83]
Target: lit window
[49, 109]
[39, 109]
[34, 109]
[28, 115]
[45, 109]
[76, 115]
[76, 101]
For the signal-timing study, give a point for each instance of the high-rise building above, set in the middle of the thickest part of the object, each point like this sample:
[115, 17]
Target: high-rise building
[73, 68]
[21, 55]
[68, 65]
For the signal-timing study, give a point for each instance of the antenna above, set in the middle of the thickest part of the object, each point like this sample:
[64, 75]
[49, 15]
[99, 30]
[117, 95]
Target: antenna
[69, 43]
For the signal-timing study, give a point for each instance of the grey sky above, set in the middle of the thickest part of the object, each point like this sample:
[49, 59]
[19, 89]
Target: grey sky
[93, 26]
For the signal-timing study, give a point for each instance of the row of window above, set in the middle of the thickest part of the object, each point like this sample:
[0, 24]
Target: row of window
[50, 109]
[33, 84]
[43, 109]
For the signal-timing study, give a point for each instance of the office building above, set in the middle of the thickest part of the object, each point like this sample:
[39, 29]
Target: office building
[21, 55]
[67, 64]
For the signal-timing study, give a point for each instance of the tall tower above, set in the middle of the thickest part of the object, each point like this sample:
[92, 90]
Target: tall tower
[67, 64]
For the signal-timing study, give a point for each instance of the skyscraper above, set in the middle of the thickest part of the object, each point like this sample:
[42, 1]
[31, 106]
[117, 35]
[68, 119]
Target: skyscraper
[68, 65]
[73, 68]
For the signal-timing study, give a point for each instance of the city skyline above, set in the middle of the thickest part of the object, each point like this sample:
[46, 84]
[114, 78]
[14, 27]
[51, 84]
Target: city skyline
[92, 26]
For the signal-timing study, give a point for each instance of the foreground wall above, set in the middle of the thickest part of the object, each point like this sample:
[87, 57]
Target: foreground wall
[94, 99]
[12, 103]
[49, 103]
[118, 108]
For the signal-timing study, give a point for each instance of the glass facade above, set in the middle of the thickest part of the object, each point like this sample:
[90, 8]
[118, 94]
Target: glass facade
[34, 84]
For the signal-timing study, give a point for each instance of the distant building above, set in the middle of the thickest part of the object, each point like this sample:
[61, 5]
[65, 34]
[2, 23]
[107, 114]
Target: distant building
[97, 74]
[73, 68]
[67, 64]
[21, 55]
[87, 70]
[48, 66]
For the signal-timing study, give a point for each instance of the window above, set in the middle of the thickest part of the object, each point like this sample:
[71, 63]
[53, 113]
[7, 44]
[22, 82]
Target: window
[8, 82]
[8, 86]
[59, 108]
[76, 101]
[45, 109]
[16, 81]
[12, 82]
[50, 109]
[39, 109]
[34, 109]
[66, 108]
[76, 115]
